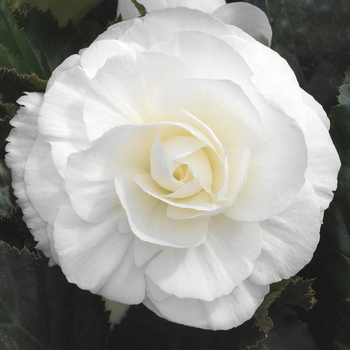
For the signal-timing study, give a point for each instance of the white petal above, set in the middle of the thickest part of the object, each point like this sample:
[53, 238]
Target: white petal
[133, 80]
[144, 251]
[159, 26]
[162, 166]
[127, 10]
[273, 77]
[248, 18]
[130, 146]
[203, 5]
[60, 122]
[312, 104]
[275, 175]
[214, 268]
[148, 219]
[90, 185]
[127, 283]
[100, 51]
[289, 239]
[67, 64]
[220, 314]
[199, 201]
[324, 163]
[97, 256]
[220, 105]
[115, 31]
[202, 52]
[20, 142]
[44, 185]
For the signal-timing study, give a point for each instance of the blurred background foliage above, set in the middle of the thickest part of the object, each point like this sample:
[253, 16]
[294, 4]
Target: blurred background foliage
[39, 309]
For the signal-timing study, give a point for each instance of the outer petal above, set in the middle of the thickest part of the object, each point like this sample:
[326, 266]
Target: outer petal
[90, 183]
[133, 80]
[61, 124]
[160, 26]
[222, 313]
[97, 257]
[67, 64]
[203, 5]
[20, 142]
[247, 17]
[324, 163]
[44, 188]
[202, 52]
[43, 183]
[99, 52]
[289, 239]
[273, 77]
[115, 31]
[127, 10]
[312, 104]
[275, 174]
[214, 268]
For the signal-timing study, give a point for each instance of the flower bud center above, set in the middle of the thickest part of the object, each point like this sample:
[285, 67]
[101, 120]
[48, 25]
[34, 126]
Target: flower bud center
[183, 173]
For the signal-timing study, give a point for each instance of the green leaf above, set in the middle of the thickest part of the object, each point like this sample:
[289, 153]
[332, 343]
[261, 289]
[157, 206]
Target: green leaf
[7, 202]
[142, 329]
[272, 318]
[15, 52]
[298, 292]
[288, 332]
[31, 53]
[139, 8]
[63, 10]
[337, 237]
[22, 310]
[314, 38]
[39, 309]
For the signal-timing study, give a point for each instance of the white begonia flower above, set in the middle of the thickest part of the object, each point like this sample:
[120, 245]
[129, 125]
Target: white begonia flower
[240, 14]
[175, 162]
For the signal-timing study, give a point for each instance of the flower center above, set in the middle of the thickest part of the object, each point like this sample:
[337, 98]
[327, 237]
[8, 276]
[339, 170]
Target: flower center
[183, 173]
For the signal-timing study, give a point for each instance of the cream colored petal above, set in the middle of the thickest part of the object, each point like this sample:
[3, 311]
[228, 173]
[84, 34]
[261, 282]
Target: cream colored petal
[201, 200]
[148, 219]
[222, 109]
[162, 159]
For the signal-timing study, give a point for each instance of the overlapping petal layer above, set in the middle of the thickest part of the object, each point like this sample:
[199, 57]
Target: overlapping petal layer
[175, 162]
